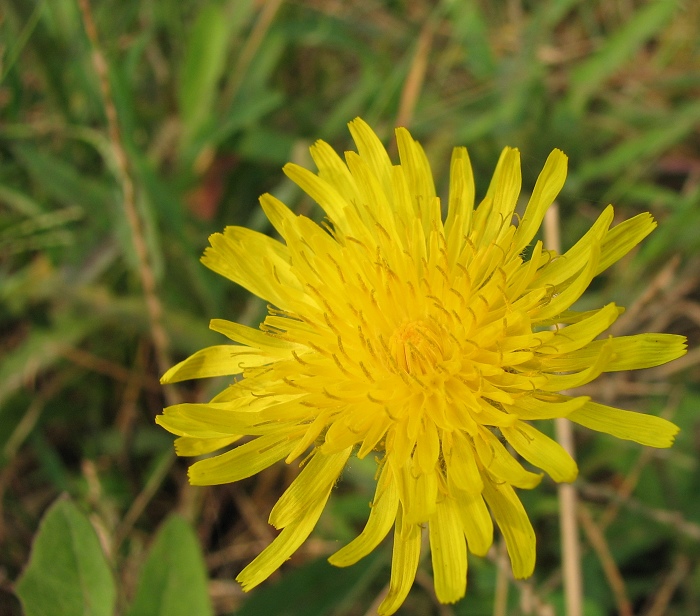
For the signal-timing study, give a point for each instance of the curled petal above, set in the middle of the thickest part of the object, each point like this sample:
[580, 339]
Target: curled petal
[317, 477]
[542, 451]
[476, 521]
[282, 547]
[404, 564]
[517, 530]
[381, 518]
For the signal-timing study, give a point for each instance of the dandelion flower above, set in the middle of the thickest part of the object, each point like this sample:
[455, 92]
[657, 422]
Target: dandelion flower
[424, 342]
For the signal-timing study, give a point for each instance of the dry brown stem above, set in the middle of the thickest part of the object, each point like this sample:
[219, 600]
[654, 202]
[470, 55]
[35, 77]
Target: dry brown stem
[597, 540]
[570, 545]
[121, 163]
[416, 75]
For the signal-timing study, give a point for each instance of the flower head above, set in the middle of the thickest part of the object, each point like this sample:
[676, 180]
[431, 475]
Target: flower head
[426, 342]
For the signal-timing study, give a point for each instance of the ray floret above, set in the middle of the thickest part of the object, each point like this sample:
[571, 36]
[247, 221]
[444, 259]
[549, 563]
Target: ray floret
[424, 342]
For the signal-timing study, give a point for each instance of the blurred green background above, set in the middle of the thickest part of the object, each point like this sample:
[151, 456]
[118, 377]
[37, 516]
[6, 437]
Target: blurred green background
[211, 98]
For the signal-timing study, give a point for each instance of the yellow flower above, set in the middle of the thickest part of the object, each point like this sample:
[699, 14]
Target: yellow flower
[423, 341]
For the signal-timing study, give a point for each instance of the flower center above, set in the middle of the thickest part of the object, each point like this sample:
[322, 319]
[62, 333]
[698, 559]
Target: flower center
[416, 347]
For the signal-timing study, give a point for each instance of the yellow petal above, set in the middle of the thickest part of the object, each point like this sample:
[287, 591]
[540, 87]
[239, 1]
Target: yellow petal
[549, 183]
[573, 260]
[517, 530]
[461, 465]
[448, 552]
[321, 191]
[574, 316]
[646, 351]
[422, 493]
[629, 353]
[313, 431]
[201, 421]
[623, 237]
[560, 382]
[339, 436]
[572, 290]
[404, 209]
[253, 338]
[427, 447]
[281, 217]
[315, 479]
[476, 521]
[283, 546]
[268, 276]
[334, 171]
[191, 446]
[222, 360]
[372, 151]
[579, 334]
[419, 177]
[541, 451]
[503, 190]
[496, 459]
[404, 564]
[374, 434]
[382, 515]
[243, 461]
[530, 407]
[461, 202]
[213, 420]
[521, 279]
[374, 205]
[644, 429]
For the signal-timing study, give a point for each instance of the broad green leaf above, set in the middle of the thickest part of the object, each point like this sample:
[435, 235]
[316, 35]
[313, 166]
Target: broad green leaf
[173, 581]
[67, 574]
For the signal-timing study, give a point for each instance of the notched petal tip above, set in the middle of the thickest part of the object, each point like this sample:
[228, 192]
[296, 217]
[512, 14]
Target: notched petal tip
[641, 428]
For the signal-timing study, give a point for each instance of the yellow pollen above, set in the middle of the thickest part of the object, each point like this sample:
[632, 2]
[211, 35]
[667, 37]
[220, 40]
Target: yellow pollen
[416, 348]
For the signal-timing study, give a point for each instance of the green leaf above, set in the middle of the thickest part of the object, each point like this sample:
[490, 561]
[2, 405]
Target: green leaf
[173, 581]
[266, 145]
[472, 31]
[204, 63]
[40, 349]
[67, 574]
[618, 49]
[647, 145]
[62, 181]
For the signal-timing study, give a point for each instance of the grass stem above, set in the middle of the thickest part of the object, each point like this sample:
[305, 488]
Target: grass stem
[570, 546]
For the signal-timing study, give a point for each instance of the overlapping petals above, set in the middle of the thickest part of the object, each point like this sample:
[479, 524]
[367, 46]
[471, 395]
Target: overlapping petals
[427, 342]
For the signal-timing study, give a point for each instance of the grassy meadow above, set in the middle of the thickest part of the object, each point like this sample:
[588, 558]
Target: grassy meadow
[132, 130]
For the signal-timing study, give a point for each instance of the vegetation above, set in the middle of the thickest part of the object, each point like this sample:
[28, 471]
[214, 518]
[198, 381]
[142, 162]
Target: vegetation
[130, 131]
